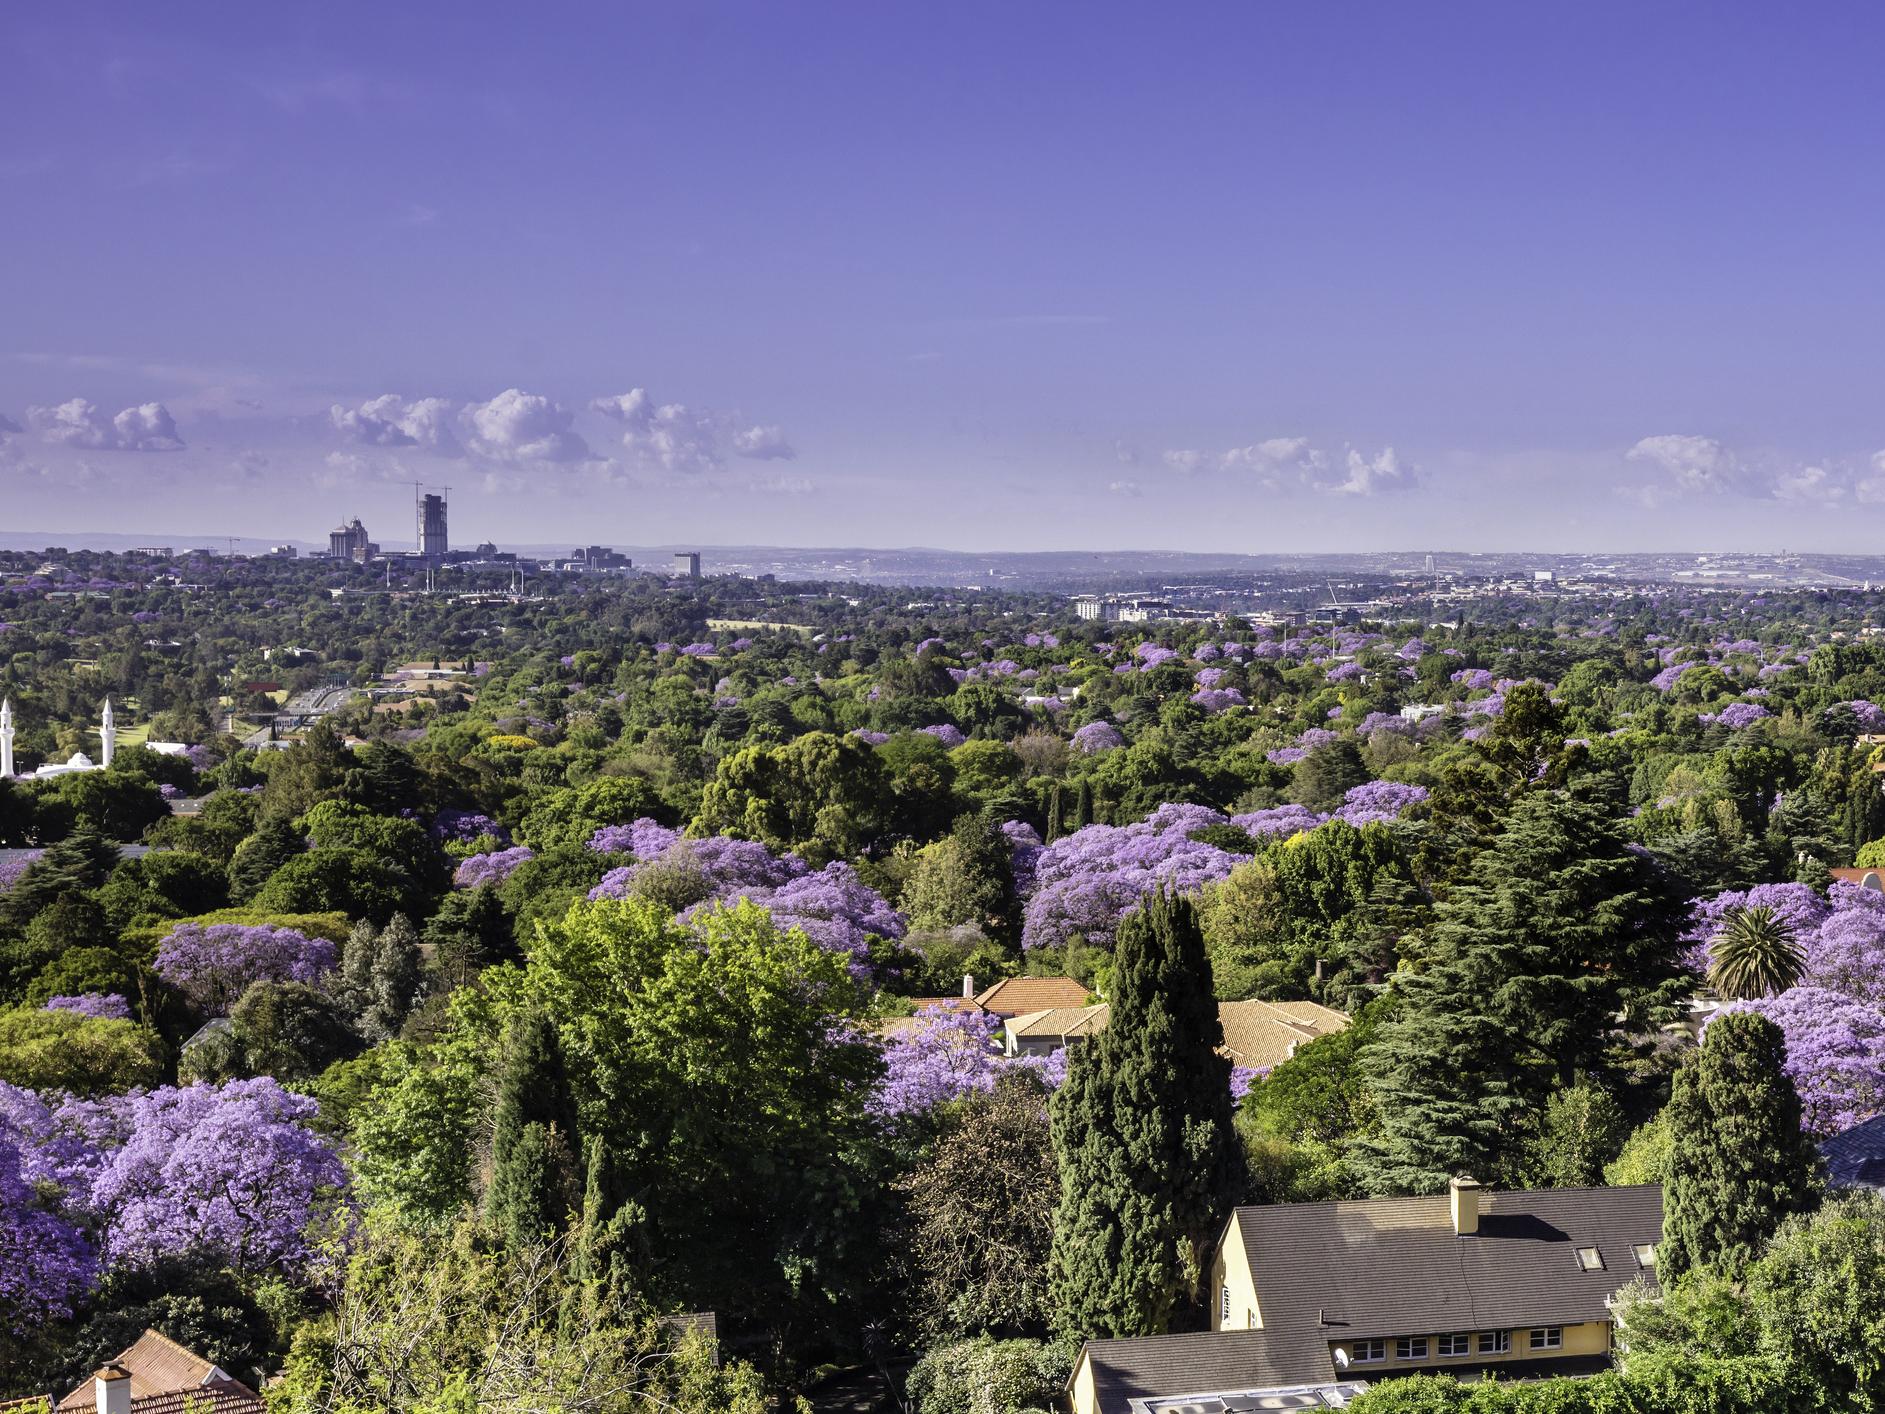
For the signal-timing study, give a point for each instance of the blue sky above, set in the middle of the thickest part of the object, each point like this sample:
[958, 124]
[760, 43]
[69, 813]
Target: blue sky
[1229, 276]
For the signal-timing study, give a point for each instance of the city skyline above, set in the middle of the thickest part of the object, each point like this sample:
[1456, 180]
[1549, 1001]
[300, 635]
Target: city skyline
[1228, 280]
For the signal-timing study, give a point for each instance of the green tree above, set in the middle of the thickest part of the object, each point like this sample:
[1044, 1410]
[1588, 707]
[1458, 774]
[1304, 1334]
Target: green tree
[565, 819]
[289, 1030]
[535, 1145]
[381, 977]
[1754, 955]
[1327, 774]
[87, 1055]
[1149, 1162]
[1582, 1130]
[967, 878]
[823, 796]
[712, 1058]
[1740, 1163]
[1557, 929]
[470, 932]
[258, 857]
[982, 1212]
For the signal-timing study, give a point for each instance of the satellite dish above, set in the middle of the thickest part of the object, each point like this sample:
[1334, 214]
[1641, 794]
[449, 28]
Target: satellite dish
[1341, 1357]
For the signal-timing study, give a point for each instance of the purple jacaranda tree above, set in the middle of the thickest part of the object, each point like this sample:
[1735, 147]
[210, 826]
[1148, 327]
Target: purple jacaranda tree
[108, 1006]
[1835, 1055]
[1095, 737]
[1087, 881]
[15, 865]
[1278, 820]
[214, 964]
[644, 839]
[726, 865]
[1735, 715]
[230, 1169]
[1216, 699]
[47, 1263]
[1026, 845]
[949, 736]
[950, 1055]
[1377, 802]
[492, 868]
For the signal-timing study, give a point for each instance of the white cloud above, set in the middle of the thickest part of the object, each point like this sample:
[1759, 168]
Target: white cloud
[1808, 483]
[763, 444]
[516, 426]
[668, 435]
[1277, 459]
[1125, 453]
[1186, 461]
[1370, 476]
[148, 427]
[1693, 463]
[1123, 488]
[389, 421]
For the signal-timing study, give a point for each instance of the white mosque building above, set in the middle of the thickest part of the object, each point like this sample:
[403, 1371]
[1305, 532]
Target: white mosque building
[78, 761]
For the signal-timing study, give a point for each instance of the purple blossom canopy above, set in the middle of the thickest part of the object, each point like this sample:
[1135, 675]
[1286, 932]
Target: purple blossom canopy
[17, 864]
[949, 736]
[1025, 841]
[727, 866]
[232, 1169]
[492, 868]
[1278, 820]
[108, 1006]
[949, 1055]
[642, 838]
[1835, 1055]
[1216, 699]
[214, 964]
[46, 1263]
[1377, 802]
[1736, 715]
[871, 738]
[1343, 672]
[1095, 737]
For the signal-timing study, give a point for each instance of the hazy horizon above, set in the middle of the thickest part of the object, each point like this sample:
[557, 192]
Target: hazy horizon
[1226, 280]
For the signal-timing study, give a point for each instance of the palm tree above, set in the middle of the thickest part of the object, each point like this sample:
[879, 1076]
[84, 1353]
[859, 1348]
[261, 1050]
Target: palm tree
[1754, 955]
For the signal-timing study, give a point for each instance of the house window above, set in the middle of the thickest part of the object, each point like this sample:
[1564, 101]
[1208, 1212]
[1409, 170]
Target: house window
[1369, 1350]
[1411, 1347]
[1495, 1342]
[1458, 1343]
[1590, 1259]
[1548, 1338]
[1223, 1310]
[1645, 1254]
[1251, 1319]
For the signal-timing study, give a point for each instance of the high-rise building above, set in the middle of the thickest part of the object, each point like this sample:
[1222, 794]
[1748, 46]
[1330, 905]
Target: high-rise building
[432, 540]
[349, 542]
[693, 562]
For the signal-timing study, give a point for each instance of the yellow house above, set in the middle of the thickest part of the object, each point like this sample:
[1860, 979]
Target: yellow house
[1311, 1299]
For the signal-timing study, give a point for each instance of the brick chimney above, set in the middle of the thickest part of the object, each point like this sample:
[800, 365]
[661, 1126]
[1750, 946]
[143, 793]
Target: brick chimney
[968, 986]
[111, 1389]
[1463, 1194]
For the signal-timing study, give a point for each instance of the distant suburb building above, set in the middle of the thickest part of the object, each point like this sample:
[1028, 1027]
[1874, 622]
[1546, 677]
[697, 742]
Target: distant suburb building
[1309, 1295]
[349, 542]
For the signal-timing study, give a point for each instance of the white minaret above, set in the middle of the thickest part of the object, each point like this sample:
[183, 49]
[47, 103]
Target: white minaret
[108, 733]
[6, 738]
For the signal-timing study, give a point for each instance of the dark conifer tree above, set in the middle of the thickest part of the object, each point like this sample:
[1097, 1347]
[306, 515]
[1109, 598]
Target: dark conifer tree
[273, 844]
[1083, 804]
[1739, 1162]
[1558, 927]
[534, 1140]
[1149, 1162]
[470, 932]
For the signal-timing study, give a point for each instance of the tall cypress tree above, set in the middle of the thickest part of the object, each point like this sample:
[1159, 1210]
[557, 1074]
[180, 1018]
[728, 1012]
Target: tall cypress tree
[1083, 804]
[534, 1141]
[1740, 1163]
[1557, 928]
[1149, 1163]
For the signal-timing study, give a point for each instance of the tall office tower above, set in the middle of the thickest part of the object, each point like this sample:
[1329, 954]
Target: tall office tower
[432, 539]
[693, 562]
[349, 542]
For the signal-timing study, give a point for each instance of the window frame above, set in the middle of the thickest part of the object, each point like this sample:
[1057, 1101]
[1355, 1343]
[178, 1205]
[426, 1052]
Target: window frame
[1404, 1347]
[1465, 1340]
[1359, 1351]
[1545, 1338]
[1223, 1309]
[1637, 1249]
[1500, 1343]
[1596, 1262]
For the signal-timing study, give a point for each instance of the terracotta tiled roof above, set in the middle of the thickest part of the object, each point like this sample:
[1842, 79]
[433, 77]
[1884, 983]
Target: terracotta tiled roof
[1060, 1021]
[1264, 1034]
[216, 1397]
[1859, 877]
[1256, 1034]
[1017, 996]
[159, 1366]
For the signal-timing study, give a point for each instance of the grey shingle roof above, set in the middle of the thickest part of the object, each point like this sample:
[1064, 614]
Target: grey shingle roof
[1394, 1266]
[1207, 1360]
[1857, 1157]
